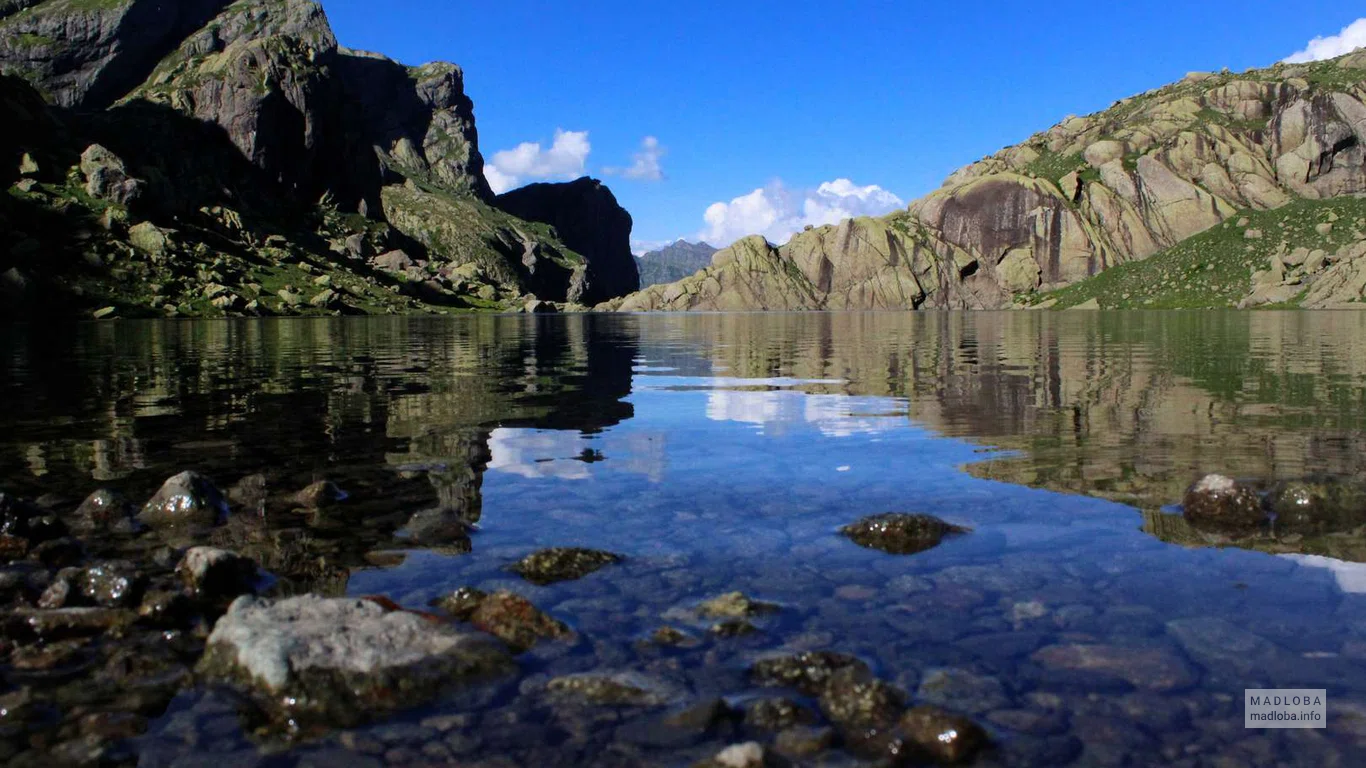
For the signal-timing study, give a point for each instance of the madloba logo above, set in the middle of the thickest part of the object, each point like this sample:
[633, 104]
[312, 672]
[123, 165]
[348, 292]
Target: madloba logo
[1285, 708]
[1286, 701]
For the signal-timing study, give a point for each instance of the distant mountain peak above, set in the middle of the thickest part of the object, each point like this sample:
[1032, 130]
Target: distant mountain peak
[674, 262]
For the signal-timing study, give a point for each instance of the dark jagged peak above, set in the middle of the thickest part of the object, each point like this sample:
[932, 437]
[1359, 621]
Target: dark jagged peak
[586, 216]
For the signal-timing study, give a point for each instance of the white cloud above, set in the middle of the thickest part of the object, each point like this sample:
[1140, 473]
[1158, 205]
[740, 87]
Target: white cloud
[642, 247]
[534, 454]
[1352, 37]
[777, 212]
[498, 181]
[645, 165]
[566, 158]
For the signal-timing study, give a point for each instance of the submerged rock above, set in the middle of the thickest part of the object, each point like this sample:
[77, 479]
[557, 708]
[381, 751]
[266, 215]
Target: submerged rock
[249, 494]
[187, 499]
[217, 574]
[340, 661]
[623, 689]
[102, 510]
[777, 714]
[1153, 668]
[900, 534]
[516, 621]
[113, 584]
[1222, 502]
[437, 527]
[871, 716]
[319, 494]
[804, 740]
[164, 608]
[58, 553]
[806, 672]
[961, 689]
[63, 623]
[732, 628]
[670, 636]
[860, 704]
[735, 605]
[1318, 505]
[25, 525]
[750, 754]
[944, 736]
[562, 564]
[461, 603]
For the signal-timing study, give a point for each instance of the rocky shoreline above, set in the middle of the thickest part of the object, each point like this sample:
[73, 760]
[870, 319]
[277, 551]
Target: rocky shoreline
[115, 609]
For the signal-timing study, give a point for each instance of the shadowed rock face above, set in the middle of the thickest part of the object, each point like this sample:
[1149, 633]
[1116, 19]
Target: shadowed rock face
[328, 120]
[588, 219]
[314, 116]
[1086, 195]
[88, 55]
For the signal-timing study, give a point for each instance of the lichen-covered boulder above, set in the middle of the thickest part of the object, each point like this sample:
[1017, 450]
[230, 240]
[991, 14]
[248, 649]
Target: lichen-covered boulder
[1216, 501]
[338, 661]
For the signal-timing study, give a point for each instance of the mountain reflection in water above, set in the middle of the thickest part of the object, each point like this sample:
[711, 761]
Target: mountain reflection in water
[721, 452]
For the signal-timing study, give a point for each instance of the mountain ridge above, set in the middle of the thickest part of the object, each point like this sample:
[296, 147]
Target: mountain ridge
[1069, 203]
[673, 262]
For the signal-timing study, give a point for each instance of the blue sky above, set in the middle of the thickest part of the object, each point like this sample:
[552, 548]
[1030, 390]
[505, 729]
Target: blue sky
[757, 105]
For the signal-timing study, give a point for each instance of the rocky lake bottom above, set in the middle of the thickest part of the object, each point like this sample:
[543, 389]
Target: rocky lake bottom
[818, 539]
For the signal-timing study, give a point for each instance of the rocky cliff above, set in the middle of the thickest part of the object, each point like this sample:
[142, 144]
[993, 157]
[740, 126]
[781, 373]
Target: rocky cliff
[588, 219]
[243, 133]
[1087, 195]
[673, 262]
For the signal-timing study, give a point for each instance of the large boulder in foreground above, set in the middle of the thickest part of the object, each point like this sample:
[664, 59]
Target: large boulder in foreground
[589, 220]
[339, 661]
